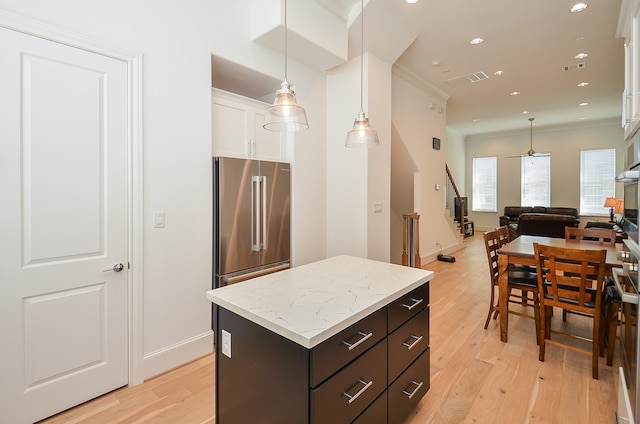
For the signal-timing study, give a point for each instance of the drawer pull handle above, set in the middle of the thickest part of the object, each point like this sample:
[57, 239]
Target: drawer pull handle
[418, 385]
[410, 346]
[364, 337]
[416, 302]
[361, 391]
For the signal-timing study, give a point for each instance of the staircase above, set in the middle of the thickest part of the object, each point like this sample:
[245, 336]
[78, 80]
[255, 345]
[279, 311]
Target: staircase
[453, 195]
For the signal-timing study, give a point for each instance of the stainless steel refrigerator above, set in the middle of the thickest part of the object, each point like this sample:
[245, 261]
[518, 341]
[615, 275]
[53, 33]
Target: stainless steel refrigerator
[251, 219]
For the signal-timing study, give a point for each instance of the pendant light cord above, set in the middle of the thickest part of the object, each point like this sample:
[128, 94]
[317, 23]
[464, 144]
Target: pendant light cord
[286, 41]
[361, 55]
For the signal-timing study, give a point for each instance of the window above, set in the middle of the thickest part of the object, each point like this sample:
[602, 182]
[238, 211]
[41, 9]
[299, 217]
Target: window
[485, 184]
[597, 180]
[535, 173]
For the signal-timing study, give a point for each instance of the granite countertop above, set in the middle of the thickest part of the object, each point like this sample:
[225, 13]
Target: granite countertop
[310, 303]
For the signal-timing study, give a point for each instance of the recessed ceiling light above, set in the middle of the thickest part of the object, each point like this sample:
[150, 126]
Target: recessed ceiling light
[476, 120]
[578, 7]
[514, 93]
[583, 84]
[498, 73]
[581, 55]
[584, 104]
[476, 41]
[411, 1]
[526, 112]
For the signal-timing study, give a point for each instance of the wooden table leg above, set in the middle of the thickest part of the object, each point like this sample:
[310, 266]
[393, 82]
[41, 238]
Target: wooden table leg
[503, 296]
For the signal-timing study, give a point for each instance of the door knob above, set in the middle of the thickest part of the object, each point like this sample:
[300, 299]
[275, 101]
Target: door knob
[116, 268]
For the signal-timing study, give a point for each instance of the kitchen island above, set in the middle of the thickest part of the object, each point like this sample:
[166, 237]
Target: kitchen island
[340, 340]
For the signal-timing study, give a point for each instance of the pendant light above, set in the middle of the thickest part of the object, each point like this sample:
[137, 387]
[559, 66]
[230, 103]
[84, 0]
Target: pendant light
[285, 115]
[362, 134]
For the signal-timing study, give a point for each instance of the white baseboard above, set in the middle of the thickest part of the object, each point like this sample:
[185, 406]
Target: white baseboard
[173, 356]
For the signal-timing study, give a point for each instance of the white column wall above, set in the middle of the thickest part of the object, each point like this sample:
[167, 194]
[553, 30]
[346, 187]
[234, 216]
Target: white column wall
[378, 109]
[347, 168]
[358, 178]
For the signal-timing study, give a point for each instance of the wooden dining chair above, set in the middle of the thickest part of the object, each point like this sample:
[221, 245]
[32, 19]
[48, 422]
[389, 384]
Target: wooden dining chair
[503, 234]
[611, 300]
[522, 279]
[600, 235]
[570, 279]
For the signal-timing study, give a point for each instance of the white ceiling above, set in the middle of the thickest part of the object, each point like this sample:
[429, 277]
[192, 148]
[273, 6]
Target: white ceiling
[531, 41]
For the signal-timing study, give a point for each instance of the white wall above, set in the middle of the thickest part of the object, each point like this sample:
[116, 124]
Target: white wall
[415, 124]
[563, 142]
[456, 160]
[176, 40]
[378, 108]
[347, 168]
[358, 177]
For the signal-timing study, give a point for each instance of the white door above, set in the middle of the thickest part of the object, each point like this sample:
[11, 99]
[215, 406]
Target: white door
[63, 226]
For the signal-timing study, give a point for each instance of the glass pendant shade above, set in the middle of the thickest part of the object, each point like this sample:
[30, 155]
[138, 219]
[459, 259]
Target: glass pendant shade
[362, 134]
[285, 115]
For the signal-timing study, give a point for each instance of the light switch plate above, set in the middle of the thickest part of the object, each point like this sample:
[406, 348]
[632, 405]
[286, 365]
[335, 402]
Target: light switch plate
[158, 220]
[226, 343]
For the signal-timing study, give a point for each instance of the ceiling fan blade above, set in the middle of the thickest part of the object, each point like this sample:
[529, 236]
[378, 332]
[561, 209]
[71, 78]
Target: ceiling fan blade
[524, 155]
[541, 155]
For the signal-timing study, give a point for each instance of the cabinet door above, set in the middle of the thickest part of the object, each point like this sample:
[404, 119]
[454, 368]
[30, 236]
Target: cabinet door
[634, 51]
[230, 128]
[631, 95]
[236, 128]
[265, 144]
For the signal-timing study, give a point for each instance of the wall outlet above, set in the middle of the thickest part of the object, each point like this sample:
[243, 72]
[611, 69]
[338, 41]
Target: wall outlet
[226, 343]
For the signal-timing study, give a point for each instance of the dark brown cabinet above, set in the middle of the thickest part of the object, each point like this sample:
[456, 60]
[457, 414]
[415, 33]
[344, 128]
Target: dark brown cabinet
[373, 372]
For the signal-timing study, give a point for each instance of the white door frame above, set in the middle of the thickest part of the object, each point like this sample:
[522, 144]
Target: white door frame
[135, 161]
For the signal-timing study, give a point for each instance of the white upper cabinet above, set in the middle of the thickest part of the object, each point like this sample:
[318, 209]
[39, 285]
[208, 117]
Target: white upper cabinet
[629, 28]
[237, 128]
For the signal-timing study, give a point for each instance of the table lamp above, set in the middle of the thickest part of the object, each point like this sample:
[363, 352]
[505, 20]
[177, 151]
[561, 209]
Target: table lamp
[611, 203]
[620, 207]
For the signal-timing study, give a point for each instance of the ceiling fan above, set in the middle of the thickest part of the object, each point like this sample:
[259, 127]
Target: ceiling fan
[531, 152]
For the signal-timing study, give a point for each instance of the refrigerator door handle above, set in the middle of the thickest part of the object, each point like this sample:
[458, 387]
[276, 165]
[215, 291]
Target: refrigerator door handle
[263, 212]
[255, 213]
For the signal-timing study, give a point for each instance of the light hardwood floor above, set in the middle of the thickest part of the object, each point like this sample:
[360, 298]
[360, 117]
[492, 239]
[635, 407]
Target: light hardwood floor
[475, 378]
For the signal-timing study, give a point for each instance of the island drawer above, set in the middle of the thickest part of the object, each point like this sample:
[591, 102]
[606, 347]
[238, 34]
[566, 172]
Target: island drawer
[409, 388]
[345, 395]
[376, 413]
[336, 352]
[407, 343]
[407, 306]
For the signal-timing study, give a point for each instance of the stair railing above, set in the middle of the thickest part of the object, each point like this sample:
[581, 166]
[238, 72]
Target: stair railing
[411, 240]
[451, 183]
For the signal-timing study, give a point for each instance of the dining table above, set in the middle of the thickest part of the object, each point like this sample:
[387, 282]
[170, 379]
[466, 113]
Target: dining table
[520, 252]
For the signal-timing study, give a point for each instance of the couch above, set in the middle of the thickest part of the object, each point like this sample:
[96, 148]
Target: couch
[544, 224]
[535, 224]
[616, 225]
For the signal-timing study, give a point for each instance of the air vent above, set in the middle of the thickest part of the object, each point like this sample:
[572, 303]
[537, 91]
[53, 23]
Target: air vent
[468, 79]
[580, 65]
